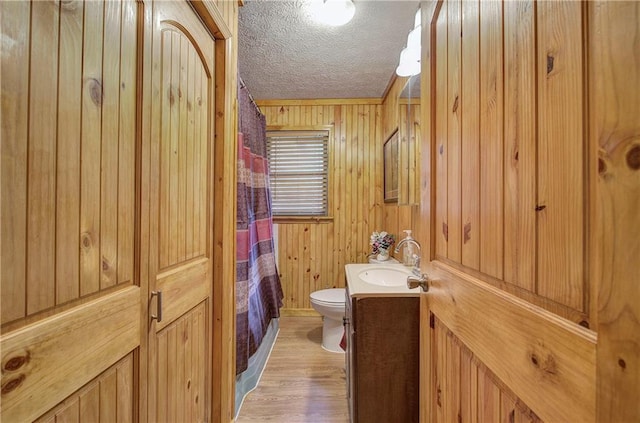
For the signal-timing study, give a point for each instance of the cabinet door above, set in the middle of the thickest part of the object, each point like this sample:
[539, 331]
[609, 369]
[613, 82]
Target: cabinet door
[350, 356]
[71, 300]
[180, 215]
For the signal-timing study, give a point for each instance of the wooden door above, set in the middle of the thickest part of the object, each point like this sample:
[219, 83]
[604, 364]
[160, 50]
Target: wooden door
[179, 247]
[529, 179]
[70, 293]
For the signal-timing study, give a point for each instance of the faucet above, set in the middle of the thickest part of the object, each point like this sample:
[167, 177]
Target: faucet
[419, 279]
[415, 259]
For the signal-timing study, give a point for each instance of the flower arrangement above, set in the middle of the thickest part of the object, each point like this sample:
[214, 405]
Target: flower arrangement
[381, 242]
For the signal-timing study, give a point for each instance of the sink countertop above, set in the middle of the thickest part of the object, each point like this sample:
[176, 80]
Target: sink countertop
[359, 288]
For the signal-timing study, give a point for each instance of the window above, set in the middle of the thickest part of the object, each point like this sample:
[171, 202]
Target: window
[298, 171]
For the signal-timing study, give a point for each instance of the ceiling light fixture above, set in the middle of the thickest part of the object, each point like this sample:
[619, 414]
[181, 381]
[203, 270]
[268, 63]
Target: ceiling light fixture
[333, 12]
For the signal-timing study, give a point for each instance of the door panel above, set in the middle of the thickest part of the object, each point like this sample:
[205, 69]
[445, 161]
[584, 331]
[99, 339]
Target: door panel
[180, 193]
[467, 390]
[108, 398]
[68, 190]
[502, 324]
[181, 289]
[181, 362]
[518, 221]
[547, 362]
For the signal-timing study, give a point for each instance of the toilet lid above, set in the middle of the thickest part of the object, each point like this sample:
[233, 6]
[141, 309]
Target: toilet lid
[333, 295]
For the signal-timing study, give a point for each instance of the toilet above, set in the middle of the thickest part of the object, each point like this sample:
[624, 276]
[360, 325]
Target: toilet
[330, 304]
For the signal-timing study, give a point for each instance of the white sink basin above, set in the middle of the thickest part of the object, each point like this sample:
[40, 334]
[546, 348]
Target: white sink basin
[385, 276]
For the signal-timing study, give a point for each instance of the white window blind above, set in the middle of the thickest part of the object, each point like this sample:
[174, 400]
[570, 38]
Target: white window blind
[298, 172]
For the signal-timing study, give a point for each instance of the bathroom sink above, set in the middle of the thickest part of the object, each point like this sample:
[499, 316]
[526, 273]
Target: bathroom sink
[385, 276]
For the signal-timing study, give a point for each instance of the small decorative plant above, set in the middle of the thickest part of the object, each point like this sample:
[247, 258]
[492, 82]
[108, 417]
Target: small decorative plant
[381, 242]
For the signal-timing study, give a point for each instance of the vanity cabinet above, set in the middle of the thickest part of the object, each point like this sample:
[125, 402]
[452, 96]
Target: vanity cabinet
[382, 359]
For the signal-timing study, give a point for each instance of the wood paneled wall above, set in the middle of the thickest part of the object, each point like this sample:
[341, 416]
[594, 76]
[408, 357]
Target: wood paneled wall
[510, 148]
[311, 256]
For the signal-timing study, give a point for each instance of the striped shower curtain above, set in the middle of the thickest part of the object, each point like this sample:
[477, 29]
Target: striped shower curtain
[258, 289]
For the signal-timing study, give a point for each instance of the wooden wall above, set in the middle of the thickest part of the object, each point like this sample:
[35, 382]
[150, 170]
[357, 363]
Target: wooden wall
[312, 255]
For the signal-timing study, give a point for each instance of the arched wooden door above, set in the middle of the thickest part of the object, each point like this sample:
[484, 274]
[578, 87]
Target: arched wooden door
[179, 244]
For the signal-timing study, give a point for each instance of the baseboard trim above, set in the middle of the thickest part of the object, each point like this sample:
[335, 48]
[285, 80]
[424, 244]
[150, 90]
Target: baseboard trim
[299, 312]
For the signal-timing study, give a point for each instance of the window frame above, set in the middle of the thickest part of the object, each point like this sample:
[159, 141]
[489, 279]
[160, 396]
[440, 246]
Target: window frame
[330, 140]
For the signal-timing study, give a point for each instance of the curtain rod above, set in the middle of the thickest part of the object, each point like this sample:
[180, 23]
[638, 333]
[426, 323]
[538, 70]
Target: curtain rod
[243, 85]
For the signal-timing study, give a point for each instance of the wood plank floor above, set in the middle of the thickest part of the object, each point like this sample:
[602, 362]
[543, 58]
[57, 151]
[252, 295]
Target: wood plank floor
[302, 383]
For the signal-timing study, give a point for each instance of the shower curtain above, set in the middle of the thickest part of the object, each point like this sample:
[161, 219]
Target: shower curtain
[258, 289]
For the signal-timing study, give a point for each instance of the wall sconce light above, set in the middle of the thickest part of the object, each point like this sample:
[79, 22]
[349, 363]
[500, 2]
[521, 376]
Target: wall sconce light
[333, 12]
[410, 56]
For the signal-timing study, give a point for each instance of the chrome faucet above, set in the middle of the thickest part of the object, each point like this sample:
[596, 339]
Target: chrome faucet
[415, 259]
[418, 279]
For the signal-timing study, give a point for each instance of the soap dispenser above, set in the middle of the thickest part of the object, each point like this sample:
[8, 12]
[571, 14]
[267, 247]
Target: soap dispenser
[407, 252]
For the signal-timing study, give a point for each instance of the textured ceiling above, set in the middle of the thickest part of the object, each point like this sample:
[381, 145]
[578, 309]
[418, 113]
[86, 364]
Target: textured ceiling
[284, 54]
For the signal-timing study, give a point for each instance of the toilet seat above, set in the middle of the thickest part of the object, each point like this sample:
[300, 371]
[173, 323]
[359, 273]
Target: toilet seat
[332, 296]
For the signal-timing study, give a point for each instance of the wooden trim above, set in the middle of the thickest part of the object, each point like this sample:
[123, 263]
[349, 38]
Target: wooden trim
[430, 12]
[426, 220]
[412, 102]
[614, 201]
[329, 128]
[224, 239]
[560, 309]
[331, 139]
[319, 102]
[390, 84]
[212, 18]
[302, 219]
[145, 83]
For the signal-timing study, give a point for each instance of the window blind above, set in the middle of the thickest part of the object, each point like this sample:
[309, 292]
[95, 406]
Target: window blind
[298, 172]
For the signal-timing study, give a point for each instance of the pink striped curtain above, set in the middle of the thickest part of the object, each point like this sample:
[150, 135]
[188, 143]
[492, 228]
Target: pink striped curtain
[258, 289]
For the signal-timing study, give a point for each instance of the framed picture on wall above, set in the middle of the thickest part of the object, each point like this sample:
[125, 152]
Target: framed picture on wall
[390, 155]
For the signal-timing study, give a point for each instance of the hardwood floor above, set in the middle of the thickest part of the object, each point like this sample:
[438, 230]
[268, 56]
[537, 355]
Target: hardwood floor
[302, 383]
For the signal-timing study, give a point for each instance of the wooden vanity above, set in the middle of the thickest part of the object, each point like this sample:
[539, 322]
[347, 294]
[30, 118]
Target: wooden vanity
[382, 359]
